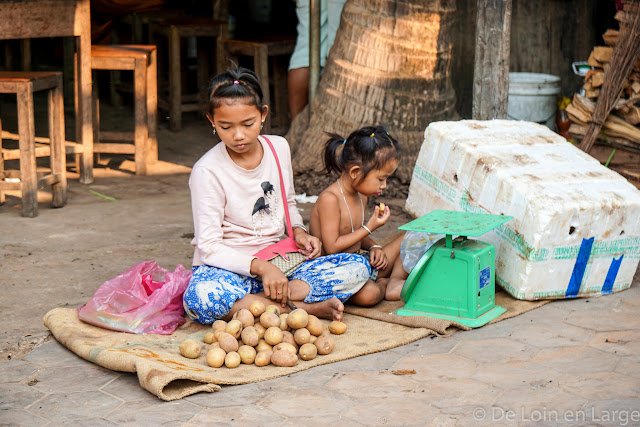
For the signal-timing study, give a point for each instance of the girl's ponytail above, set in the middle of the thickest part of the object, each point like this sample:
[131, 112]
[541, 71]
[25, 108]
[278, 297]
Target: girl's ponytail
[330, 153]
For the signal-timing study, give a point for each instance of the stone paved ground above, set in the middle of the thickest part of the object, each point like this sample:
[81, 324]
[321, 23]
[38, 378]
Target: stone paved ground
[567, 363]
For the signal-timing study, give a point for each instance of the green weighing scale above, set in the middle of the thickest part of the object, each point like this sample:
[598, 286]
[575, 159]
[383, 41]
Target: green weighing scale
[455, 278]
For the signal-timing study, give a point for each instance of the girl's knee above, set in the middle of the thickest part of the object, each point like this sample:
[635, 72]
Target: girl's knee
[370, 294]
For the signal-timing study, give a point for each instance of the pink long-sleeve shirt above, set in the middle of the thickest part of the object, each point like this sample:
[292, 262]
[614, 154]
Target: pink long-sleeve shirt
[237, 212]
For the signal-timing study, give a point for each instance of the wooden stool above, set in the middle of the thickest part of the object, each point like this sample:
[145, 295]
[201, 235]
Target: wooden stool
[142, 60]
[261, 50]
[24, 84]
[174, 30]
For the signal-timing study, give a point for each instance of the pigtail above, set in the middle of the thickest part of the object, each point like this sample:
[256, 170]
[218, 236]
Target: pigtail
[235, 83]
[332, 162]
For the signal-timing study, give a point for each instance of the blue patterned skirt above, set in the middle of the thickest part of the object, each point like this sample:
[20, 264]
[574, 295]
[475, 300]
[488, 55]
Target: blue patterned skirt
[212, 291]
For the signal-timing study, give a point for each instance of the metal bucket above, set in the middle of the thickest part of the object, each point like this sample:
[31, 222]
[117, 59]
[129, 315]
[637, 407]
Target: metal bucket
[533, 97]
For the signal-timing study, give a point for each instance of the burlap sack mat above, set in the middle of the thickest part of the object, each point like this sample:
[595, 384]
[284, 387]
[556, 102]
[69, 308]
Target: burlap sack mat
[164, 372]
[385, 312]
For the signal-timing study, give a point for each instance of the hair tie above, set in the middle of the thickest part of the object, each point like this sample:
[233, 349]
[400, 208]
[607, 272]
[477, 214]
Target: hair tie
[372, 134]
[235, 82]
[344, 142]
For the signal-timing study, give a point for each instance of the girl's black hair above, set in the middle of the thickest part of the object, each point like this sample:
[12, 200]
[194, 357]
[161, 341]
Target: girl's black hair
[369, 148]
[235, 83]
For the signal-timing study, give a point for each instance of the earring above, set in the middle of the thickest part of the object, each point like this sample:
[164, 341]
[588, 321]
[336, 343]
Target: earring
[261, 125]
[214, 129]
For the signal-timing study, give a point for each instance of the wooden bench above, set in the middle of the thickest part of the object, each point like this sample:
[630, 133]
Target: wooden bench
[141, 59]
[24, 84]
[261, 50]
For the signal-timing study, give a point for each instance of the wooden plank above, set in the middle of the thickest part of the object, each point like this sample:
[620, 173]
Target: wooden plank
[491, 68]
[114, 148]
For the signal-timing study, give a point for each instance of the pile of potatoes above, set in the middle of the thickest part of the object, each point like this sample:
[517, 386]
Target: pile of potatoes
[261, 335]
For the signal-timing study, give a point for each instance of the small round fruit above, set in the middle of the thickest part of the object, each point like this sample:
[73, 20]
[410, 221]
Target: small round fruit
[284, 358]
[219, 325]
[228, 342]
[247, 354]
[324, 344]
[250, 336]
[245, 317]
[302, 336]
[269, 319]
[234, 327]
[232, 360]
[298, 318]
[273, 335]
[263, 358]
[308, 351]
[215, 357]
[190, 349]
[208, 337]
[315, 325]
[256, 308]
[337, 328]
[272, 309]
[283, 322]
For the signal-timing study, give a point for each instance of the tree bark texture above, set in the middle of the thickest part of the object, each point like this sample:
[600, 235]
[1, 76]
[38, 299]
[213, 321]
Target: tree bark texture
[491, 69]
[389, 65]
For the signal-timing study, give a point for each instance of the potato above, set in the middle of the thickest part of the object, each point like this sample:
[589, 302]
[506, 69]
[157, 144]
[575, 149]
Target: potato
[208, 337]
[286, 346]
[245, 317]
[273, 335]
[308, 351]
[247, 354]
[234, 327]
[284, 358]
[314, 325]
[250, 336]
[219, 325]
[215, 357]
[214, 345]
[283, 322]
[298, 318]
[216, 334]
[324, 344]
[312, 339]
[232, 360]
[288, 338]
[261, 329]
[262, 345]
[228, 342]
[272, 309]
[302, 336]
[256, 308]
[337, 328]
[190, 349]
[263, 358]
[269, 319]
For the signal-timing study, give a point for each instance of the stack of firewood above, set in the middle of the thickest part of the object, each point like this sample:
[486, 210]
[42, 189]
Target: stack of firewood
[621, 129]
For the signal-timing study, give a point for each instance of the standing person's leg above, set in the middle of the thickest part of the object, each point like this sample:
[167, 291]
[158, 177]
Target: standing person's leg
[298, 86]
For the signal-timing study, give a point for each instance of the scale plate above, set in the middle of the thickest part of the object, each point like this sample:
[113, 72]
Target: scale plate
[456, 223]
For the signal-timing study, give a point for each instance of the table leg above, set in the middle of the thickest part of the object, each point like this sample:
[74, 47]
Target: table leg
[27, 141]
[140, 132]
[58, 155]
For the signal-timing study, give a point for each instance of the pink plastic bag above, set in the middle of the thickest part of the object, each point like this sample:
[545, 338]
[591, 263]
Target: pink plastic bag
[145, 299]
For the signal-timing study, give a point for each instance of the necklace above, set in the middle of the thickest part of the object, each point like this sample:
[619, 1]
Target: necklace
[348, 210]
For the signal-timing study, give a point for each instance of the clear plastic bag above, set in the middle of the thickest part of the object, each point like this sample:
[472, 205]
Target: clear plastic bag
[145, 299]
[414, 245]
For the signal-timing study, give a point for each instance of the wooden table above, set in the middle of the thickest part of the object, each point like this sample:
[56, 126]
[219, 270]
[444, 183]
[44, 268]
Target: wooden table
[23, 19]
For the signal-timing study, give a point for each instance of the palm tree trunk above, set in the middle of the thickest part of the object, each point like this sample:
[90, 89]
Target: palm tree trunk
[389, 65]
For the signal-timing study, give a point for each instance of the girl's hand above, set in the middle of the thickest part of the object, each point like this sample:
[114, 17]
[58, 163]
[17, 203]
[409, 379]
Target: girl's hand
[310, 246]
[378, 259]
[275, 283]
[379, 218]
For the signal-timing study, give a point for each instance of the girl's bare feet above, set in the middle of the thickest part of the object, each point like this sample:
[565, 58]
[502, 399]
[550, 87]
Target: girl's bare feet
[331, 309]
[394, 289]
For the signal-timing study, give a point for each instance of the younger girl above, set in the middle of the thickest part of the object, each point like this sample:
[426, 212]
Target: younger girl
[238, 210]
[363, 161]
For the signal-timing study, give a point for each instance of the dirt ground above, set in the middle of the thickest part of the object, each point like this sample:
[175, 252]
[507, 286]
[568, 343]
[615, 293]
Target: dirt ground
[61, 257]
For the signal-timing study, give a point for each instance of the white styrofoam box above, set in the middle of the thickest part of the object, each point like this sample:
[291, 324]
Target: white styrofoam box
[576, 225]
